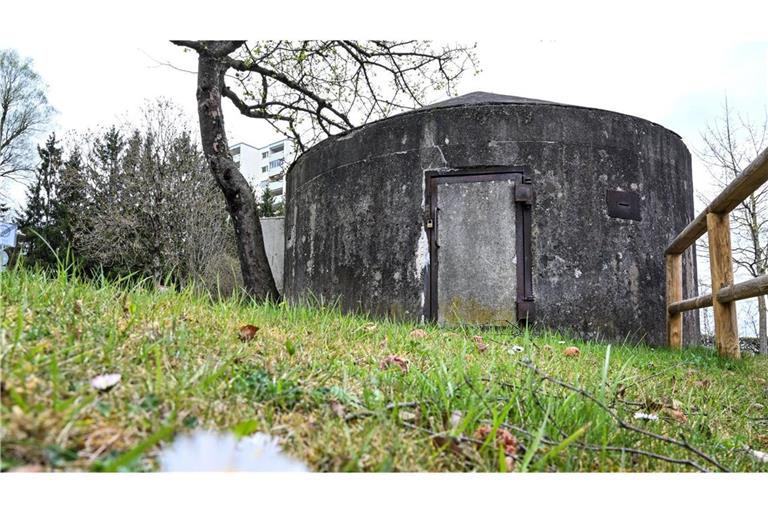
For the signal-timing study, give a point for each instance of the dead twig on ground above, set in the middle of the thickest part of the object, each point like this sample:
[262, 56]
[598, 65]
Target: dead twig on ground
[623, 449]
[682, 443]
[586, 446]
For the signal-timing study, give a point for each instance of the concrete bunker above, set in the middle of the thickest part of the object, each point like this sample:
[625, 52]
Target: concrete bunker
[491, 210]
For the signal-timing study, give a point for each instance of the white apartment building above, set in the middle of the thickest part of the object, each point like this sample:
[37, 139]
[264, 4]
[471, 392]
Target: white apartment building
[265, 167]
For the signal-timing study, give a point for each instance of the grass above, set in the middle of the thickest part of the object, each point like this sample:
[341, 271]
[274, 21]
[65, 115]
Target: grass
[313, 377]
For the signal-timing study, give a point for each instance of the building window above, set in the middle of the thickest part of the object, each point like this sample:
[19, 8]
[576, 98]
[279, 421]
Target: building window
[276, 163]
[264, 169]
[277, 149]
[265, 154]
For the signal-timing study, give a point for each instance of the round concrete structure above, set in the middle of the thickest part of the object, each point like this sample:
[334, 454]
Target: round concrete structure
[492, 209]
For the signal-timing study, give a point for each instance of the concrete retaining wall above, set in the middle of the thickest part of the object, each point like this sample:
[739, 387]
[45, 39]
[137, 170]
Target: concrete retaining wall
[274, 243]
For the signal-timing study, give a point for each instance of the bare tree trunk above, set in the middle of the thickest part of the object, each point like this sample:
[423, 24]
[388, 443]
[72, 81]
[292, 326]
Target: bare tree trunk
[241, 205]
[762, 335]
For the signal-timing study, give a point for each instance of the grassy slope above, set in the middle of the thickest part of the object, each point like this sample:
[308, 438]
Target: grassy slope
[183, 367]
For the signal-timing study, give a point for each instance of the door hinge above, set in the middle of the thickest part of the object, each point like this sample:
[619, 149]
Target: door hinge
[525, 310]
[523, 193]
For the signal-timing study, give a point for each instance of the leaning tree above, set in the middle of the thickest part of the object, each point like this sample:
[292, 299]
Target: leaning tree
[306, 90]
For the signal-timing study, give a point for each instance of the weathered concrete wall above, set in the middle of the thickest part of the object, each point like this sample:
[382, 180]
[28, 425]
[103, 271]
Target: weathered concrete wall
[355, 213]
[272, 229]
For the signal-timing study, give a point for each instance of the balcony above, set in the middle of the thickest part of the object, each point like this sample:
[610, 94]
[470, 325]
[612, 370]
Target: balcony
[276, 187]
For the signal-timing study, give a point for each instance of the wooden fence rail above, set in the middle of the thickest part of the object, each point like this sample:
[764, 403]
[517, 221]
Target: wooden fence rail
[715, 221]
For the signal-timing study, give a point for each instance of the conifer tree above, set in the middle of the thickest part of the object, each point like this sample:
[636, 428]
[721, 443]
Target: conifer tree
[267, 204]
[41, 219]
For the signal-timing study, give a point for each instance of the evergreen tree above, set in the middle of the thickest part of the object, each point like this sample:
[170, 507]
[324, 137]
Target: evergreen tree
[43, 212]
[267, 205]
[108, 151]
[75, 205]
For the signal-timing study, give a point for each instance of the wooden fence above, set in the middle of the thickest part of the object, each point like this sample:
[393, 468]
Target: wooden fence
[714, 221]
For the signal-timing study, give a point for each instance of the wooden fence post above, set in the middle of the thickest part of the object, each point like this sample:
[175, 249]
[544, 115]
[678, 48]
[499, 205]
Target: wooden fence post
[674, 294]
[721, 266]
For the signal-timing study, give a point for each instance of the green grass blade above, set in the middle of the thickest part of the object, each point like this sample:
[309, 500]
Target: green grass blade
[552, 453]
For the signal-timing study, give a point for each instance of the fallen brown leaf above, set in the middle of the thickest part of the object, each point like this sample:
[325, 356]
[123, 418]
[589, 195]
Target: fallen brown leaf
[675, 414]
[572, 352]
[703, 384]
[393, 360]
[652, 405]
[482, 432]
[369, 327]
[418, 334]
[508, 442]
[481, 347]
[504, 438]
[247, 332]
[337, 408]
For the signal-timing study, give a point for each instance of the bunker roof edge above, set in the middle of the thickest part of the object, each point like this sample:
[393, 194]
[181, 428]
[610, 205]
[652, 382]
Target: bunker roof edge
[474, 99]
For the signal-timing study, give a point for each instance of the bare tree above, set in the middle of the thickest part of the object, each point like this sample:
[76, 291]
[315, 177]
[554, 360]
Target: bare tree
[24, 112]
[151, 206]
[729, 145]
[307, 90]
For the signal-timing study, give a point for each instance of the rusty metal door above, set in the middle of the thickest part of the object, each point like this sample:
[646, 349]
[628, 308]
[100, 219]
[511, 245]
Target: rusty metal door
[478, 261]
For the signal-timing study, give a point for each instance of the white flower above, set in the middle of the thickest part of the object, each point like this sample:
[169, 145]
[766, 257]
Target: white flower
[106, 381]
[639, 415]
[759, 456]
[514, 349]
[211, 451]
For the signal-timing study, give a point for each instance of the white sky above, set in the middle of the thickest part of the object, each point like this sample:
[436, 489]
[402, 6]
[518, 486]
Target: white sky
[680, 86]
[669, 62]
[101, 65]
